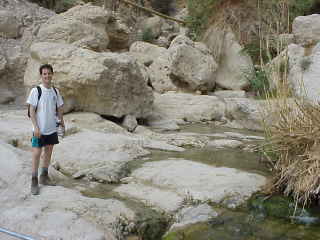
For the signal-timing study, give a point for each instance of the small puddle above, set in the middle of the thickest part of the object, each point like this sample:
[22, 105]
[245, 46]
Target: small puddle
[236, 225]
[225, 157]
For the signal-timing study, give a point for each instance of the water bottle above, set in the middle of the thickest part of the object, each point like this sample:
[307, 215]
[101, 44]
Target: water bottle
[60, 129]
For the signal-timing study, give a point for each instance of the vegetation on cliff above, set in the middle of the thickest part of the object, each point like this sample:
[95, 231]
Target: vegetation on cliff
[293, 138]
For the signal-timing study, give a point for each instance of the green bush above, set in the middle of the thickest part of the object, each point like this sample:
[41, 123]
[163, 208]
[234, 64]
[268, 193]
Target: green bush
[258, 50]
[300, 7]
[258, 80]
[199, 13]
[147, 35]
[195, 26]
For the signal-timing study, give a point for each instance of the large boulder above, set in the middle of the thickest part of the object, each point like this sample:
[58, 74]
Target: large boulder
[19, 23]
[83, 26]
[234, 64]
[185, 65]
[106, 83]
[304, 72]
[159, 73]
[193, 66]
[306, 29]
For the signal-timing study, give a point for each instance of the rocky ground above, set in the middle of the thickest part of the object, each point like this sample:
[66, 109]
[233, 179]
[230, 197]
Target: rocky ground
[97, 152]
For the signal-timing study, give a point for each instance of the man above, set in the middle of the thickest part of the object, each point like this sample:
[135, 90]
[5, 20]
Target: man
[45, 112]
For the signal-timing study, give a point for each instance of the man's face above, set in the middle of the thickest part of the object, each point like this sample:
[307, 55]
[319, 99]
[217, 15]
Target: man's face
[46, 76]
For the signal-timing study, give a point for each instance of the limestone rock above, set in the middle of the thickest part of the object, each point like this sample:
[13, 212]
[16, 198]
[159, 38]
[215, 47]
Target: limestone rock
[176, 139]
[92, 121]
[168, 180]
[304, 73]
[83, 26]
[37, 215]
[193, 67]
[229, 94]
[233, 63]
[160, 74]
[100, 156]
[19, 23]
[184, 65]
[224, 143]
[106, 83]
[189, 107]
[193, 214]
[245, 113]
[130, 123]
[306, 29]
[160, 198]
[145, 52]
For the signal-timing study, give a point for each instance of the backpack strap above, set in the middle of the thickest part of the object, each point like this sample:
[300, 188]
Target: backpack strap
[39, 96]
[39, 93]
[55, 90]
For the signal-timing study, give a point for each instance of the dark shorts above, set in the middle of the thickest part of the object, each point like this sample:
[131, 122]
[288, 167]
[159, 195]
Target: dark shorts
[46, 140]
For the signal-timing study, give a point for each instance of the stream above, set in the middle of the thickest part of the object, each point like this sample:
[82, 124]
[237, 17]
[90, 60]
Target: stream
[261, 218]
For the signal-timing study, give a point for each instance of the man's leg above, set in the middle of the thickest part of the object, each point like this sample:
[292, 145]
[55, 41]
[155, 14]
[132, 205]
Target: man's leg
[47, 155]
[36, 153]
[44, 178]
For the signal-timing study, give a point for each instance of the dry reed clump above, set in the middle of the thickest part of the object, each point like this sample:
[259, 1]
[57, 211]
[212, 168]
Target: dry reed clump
[295, 138]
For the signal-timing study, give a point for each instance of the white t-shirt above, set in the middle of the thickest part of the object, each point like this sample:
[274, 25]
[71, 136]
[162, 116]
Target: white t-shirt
[46, 110]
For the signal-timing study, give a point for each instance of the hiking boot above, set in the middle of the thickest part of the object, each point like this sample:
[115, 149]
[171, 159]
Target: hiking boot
[45, 180]
[34, 186]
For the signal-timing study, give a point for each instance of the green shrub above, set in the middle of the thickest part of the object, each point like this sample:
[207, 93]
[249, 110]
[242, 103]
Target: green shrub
[195, 26]
[258, 80]
[258, 51]
[199, 13]
[300, 7]
[147, 35]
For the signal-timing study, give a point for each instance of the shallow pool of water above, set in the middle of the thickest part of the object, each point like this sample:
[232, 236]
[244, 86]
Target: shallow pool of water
[240, 224]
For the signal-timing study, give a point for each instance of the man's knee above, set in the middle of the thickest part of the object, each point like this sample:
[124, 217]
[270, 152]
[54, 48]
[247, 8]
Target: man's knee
[48, 149]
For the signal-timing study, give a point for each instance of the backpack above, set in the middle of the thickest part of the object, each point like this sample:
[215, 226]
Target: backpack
[39, 95]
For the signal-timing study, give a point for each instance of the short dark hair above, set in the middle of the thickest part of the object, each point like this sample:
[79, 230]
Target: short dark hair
[45, 66]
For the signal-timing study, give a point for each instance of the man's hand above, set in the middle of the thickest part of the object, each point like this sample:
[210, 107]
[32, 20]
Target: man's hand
[37, 132]
[63, 129]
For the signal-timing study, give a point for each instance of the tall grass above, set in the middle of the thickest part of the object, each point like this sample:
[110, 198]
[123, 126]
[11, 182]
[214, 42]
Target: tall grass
[292, 128]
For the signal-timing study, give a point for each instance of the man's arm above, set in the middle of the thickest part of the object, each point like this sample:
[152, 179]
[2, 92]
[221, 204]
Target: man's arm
[33, 117]
[60, 115]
